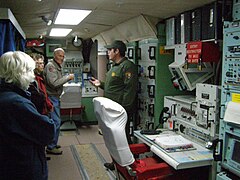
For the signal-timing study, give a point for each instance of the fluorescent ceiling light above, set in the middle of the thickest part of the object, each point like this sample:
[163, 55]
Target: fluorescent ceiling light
[60, 32]
[71, 16]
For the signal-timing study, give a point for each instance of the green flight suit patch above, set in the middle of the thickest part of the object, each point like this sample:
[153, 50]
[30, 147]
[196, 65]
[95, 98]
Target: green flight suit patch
[50, 69]
[113, 74]
[128, 75]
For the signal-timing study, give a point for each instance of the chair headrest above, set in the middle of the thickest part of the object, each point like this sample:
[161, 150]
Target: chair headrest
[112, 119]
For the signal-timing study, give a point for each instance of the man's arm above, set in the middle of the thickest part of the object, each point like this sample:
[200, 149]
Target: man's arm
[52, 77]
[130, 90]
[96, 82]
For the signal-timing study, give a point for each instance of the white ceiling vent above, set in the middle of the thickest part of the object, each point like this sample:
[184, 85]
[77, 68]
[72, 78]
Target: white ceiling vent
[135, 29]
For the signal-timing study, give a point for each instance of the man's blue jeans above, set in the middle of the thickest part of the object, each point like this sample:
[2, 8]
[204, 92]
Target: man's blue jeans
[55, 116]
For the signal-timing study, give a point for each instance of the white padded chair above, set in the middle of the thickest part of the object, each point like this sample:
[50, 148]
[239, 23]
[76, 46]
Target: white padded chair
[112, 119]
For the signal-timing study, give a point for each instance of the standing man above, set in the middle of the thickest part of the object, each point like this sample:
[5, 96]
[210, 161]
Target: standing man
[120, 84]
[54, 85]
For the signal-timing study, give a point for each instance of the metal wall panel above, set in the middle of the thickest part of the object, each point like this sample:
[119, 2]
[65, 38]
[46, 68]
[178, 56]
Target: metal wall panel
[196, 16]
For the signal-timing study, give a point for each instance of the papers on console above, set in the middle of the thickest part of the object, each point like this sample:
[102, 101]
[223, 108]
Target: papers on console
[185, 159]
[173, 143]
[197, 157]
[232, 112]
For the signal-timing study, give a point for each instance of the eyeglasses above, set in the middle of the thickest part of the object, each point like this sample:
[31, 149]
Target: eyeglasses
[111, 49]
[59, 55]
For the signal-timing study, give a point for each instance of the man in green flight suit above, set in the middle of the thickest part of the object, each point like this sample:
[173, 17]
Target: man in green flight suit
[120, 84]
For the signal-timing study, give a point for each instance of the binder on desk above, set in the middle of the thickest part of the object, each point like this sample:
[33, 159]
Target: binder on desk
[183, 160]
[198, 157]
[174, 143]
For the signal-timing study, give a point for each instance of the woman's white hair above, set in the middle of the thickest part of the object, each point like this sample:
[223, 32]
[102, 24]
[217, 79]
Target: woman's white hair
[17, 68]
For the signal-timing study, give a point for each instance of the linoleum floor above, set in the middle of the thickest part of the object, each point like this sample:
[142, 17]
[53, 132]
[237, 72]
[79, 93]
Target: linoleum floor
[65, 167]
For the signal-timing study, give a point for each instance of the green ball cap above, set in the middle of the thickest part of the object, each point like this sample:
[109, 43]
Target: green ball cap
[117, 45]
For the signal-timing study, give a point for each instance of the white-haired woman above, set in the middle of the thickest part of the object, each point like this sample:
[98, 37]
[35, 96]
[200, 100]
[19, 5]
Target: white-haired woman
[23, 131]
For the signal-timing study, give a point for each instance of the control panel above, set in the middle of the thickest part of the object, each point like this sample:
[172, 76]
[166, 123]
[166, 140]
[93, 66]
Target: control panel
[195, 117]
[229, 131]
[146, 83]
[73, 64]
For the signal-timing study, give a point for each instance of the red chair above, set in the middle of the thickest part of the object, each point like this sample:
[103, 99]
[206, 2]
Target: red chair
[112, 119]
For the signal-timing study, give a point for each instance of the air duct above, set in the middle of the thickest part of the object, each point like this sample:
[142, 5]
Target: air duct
[135, 29]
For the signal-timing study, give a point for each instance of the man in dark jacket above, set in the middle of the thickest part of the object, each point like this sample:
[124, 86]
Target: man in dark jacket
[24, 132]
[121, 83]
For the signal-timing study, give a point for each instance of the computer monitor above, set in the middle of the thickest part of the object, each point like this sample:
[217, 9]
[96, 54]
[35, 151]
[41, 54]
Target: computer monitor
[232, 155]
[235, 155]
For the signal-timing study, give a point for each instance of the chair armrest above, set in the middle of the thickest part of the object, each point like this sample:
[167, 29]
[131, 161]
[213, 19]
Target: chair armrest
[139, 148]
